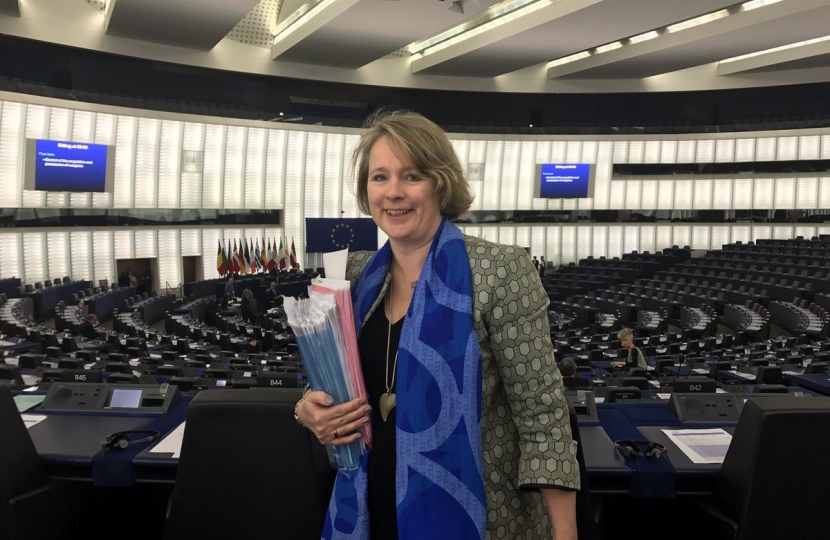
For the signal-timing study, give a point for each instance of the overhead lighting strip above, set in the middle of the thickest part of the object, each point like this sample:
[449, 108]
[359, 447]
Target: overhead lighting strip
[671, 29]
[777, 49]
[293, 21]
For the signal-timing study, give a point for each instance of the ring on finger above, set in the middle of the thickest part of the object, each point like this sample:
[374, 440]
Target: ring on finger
[336, 436]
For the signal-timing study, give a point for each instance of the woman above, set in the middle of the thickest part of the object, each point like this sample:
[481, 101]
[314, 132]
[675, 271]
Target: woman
[635, 358]
[247, 307]
[470, 426]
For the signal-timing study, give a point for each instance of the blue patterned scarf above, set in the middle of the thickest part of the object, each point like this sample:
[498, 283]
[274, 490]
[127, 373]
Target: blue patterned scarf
[438, 479]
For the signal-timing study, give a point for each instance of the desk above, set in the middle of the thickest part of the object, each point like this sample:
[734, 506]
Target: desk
[816, 382]
[10, 287]
[45, 300]
[103, 305]
[154, 309]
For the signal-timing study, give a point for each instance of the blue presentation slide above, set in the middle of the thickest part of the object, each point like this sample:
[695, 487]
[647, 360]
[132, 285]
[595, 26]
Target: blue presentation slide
[562, 181]
[68, 166]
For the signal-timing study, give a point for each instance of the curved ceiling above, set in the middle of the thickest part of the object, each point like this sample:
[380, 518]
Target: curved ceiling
[565, 46]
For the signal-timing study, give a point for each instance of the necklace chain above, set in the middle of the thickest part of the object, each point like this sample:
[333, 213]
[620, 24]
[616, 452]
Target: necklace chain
[388, 344]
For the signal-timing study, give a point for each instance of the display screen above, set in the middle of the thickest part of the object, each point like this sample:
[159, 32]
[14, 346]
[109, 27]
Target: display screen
[125, 398]
[69, 166]
[564, 180]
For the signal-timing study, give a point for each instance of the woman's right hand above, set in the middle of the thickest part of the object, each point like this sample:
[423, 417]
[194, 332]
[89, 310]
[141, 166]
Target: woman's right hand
[333, 424]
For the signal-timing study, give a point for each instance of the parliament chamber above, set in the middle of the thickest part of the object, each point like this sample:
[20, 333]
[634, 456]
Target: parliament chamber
[149, 153]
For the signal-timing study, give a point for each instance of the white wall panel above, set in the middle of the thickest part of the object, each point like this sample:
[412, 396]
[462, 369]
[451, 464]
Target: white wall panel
[537, 240]
[703, 194]
[573, 152]
[631, 238]
[620, 151]
[825, 147]
[191, 243]
[80, 243]
[665, 194]
[105, 133]
[170, 258]
[553, 245]
[169, 165]
[583, 242]
[83, 130]
[147, 163]
[522, 238]
[681, 235]
[558, 151]
[313, 176]
[702, 237]
[824, 192]
[599, 241]
[103, 259]
[12, 143]
[719, 236]
[568, 244]
[648, 238]
[784, 193]
[764, 193]
[782, 232]
[602, 178]
[632, 194]
[787, 148]
[806, 193]
[125, 154]
[60, 128]
[648, 195]
[809, 147]
[615, 241]
[210, 239]
[124, 244]
[742, 193]
[668, 152]
[11, 262]
[213, 170]
[744, 149]
[686, 151]
[348, 188]
[663, 238]
[34, 264]
[542, 156]
[635, 151]
[740, 233]
[37, 127]
[254, 179]
[510, 174]
[57, 254]
[589, 151]
[765, 149]
[507, 236]
[145, 243]
[233, 185]
[193, 139]
[332, 177]
[525, 180]
[725, 150]
[761, 232]
[616, 198]
[275, 168]
[705, 151]
[722, 194]
[294, 180]
[492, 175]
[652, 152]
[683, 194]
[805, 232]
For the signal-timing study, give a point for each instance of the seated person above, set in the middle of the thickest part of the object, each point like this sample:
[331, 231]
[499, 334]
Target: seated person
[635, 359]
[229, 290]
[87, 328]
[226, 301]
[567, 367]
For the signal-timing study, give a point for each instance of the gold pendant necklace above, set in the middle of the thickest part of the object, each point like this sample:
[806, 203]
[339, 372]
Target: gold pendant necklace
[387, 400]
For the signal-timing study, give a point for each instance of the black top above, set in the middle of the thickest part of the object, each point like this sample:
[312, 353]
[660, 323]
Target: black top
[248, 311]
[381, 467]
[87, 330]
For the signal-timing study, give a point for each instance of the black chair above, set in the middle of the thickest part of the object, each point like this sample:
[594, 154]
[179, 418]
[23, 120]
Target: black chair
[747, 497]
[575, 383]
[264, 442]
[32, 507]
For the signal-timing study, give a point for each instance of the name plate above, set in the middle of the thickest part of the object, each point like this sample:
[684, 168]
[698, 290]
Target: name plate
[278, 380]
[702, 385]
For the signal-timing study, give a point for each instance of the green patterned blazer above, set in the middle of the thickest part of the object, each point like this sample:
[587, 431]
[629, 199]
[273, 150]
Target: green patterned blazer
[526, 433]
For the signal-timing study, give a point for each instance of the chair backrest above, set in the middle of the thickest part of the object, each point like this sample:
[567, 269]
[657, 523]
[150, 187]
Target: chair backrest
[260, 442]
[21, 473]
[779, 443]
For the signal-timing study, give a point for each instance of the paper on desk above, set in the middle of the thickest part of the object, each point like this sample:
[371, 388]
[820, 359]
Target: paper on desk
[24, 403]
[172, 443]
[335, 264]
[701, 445]
[32, 419]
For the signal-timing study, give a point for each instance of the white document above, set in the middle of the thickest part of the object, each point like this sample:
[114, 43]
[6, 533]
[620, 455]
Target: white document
[701, 445]
[335, 264]
[701, 371]
[32, 419]
[172, 443]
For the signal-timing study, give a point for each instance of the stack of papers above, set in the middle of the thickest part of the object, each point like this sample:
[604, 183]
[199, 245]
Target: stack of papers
[701, 445]
[325, 329]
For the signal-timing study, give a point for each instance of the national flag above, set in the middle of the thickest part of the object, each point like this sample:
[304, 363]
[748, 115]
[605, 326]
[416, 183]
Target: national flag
[324, 235]
[225, 264]
[283, 259]
[272, 260]
[234, 261]
[228, 258]
[220, 264]
[257, 256]
[246, 256]
[268, 252]
[263, 259]
[293, 256]
[240, 258]
[249, 262]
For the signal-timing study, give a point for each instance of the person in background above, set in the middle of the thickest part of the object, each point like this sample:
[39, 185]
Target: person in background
[567, 367]
[463, 390]
[635, 359]
[247, 308]
[542, 266]
[229, 289]
[133, 280]
[272, 294]
[87, 328]
[536, 263]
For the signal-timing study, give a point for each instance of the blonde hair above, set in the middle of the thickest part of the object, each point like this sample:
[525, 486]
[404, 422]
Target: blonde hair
[426, 145]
